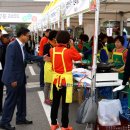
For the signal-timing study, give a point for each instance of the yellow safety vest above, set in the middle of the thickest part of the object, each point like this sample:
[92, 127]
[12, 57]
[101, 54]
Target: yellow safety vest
[48, 72]
[66, 75]
[98, 55]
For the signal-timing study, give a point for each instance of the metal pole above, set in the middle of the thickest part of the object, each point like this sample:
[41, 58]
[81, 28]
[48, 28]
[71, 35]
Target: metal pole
[37, 37]
[94, 66]
[62, 24]
[121, 23]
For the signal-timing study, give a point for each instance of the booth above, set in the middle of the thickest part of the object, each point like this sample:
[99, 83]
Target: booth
[88, 16]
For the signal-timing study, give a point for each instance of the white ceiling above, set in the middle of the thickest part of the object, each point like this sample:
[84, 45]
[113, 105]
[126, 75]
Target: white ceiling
[22, 6]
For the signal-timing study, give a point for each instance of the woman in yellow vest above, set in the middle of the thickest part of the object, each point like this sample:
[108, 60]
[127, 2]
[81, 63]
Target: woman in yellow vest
[62, 82]
[103, 54]
[48, 66]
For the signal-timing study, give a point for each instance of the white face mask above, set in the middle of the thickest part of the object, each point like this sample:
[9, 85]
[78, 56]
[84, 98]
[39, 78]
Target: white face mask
[105, 43]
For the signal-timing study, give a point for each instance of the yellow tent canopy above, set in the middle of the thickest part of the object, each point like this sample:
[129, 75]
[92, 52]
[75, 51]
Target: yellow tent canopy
[2, 28]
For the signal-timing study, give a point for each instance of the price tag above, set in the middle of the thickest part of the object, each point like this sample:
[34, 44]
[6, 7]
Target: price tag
[0, 66]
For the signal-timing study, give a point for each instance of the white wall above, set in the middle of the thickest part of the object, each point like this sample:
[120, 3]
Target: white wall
[89, 28]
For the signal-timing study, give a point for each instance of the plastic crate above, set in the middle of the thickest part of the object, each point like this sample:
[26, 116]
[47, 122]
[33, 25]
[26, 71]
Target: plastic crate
[105, 92]
[125, 125]
[126, 110]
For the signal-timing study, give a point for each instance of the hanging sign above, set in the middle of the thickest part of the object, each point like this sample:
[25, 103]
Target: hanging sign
[54, 15]
[109, 31]
[62, 24]
[58, 23]
[80, 19]
[19, 17]
[54, 26]
[45, 20]
[76, 6]
[51, 26]
[68, 22]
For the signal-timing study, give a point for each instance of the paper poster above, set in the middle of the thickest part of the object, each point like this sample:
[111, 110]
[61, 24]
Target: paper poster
[68, 22]
[80, 19]
[109, 31]
[0, 66]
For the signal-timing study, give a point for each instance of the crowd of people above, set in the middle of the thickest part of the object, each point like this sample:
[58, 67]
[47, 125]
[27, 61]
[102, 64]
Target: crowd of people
[57, 51]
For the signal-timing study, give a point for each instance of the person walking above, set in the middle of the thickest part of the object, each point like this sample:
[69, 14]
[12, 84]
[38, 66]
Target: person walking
[14, 79]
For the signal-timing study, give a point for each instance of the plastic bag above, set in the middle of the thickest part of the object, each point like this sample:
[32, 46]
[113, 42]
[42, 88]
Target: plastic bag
[87, 112]
[108, 112]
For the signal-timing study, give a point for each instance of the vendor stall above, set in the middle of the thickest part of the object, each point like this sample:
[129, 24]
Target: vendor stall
[64, 14]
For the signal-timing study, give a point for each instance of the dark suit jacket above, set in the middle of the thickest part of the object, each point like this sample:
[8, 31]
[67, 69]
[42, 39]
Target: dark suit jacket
[14, 69]
[127, 69]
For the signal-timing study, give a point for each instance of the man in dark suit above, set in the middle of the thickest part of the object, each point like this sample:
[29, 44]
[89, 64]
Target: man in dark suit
[15, 79]
[4, 41]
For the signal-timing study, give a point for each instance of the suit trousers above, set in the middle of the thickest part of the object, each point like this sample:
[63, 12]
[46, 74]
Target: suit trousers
[16, 96]
[1, 92]
[55, 106]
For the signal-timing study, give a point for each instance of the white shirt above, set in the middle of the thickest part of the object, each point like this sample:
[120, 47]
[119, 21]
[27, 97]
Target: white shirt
[21, 45]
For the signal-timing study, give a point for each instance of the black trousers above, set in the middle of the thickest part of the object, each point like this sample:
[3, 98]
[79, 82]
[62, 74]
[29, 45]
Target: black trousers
[42, 74]
[55, 106]
[15, 97]
[1, 92]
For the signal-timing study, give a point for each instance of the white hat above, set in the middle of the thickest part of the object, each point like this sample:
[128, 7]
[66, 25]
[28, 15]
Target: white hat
[4, 32]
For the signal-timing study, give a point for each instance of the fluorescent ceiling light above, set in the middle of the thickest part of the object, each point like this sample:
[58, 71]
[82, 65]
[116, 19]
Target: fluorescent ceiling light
[43, 0]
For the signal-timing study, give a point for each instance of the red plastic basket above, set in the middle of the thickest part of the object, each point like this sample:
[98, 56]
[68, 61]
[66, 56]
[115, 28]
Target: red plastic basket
[125, 125]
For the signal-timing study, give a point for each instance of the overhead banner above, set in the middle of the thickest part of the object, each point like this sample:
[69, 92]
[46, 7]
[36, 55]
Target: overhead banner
[19, 17]
[54, 15]
[71, 7]
[45, 20]
[81, 19]
[76, 6]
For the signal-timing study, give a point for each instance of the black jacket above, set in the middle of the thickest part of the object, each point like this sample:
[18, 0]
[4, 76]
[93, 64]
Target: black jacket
[127, 69]
[2, 54]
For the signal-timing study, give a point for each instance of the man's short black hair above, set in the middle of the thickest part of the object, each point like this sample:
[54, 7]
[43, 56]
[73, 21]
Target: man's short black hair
[102, 36]
[81, 36]
[5, 35]
[48, 30]
[22, 31]
[84, 37]
[52, 34]
[120, 38]
[63, 37]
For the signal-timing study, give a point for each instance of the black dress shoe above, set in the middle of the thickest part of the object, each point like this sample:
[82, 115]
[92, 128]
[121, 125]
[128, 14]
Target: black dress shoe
[7, 127]
[23, 122]
[1, 113]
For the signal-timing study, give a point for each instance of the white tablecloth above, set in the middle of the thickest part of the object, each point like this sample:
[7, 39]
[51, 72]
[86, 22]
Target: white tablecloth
[87, 82]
